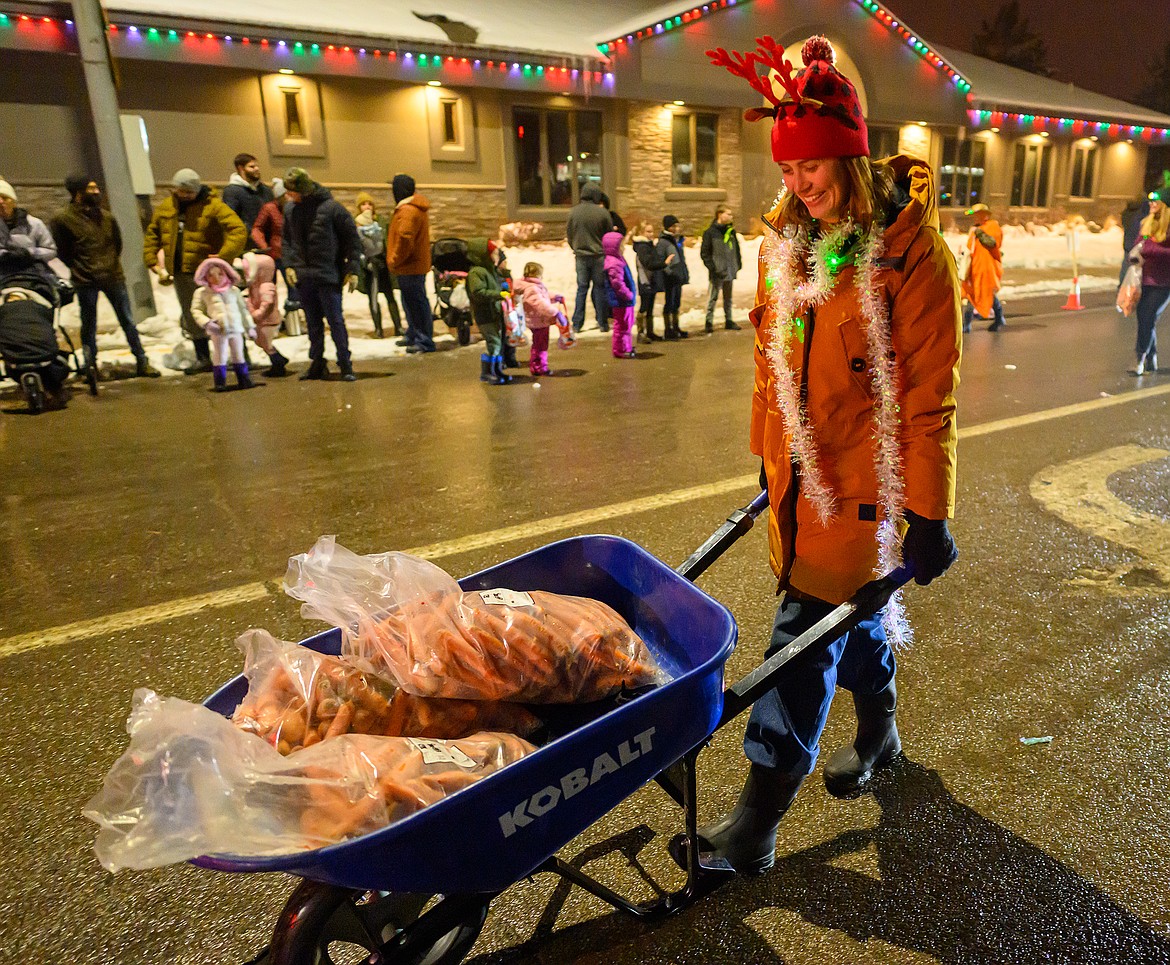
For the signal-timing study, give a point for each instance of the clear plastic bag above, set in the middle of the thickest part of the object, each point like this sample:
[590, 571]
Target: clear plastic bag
[298, 697]
[192, 784]
[408, 619]
[1130, 291]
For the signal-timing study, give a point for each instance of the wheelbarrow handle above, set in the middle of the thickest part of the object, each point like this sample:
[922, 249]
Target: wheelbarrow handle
[718, 542]
[863, 604]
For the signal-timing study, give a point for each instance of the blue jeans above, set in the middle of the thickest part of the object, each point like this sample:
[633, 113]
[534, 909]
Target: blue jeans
[591, 271]
[119, 298]
[1150, 306]
[420, 322]
[322, 302]
[785, 726]
[996, 313]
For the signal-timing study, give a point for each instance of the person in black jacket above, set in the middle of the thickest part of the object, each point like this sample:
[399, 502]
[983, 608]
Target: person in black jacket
[246, 193]
[720, 253]
[674, 275]
[322, 251]
[89, 242]
[650, 281]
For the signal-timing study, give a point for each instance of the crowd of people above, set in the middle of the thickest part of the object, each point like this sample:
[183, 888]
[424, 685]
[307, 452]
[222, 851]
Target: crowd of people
[292, 227]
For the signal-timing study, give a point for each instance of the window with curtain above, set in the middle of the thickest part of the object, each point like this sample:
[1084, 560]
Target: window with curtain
[694, 143]
[1030, 175]
[1084, 170]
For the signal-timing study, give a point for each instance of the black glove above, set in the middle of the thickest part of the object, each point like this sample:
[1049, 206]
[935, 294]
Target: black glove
[928, 547]
[763, 476]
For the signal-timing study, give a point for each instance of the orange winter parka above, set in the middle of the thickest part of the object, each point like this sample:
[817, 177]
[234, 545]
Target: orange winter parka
[913, 274]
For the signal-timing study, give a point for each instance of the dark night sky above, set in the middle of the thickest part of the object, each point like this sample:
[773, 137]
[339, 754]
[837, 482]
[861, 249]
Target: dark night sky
[1101, 45]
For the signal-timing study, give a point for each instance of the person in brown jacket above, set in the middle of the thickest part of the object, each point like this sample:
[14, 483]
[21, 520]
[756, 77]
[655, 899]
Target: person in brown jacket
[408, 254]
[853, 417]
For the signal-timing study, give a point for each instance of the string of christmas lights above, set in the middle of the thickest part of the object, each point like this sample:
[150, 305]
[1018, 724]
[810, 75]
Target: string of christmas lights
[132, 33]
[1040, 123]
[979, 118]
[875, 10]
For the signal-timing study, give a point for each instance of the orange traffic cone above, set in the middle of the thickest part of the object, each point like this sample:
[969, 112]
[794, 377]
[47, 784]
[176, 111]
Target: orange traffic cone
[1074, 297]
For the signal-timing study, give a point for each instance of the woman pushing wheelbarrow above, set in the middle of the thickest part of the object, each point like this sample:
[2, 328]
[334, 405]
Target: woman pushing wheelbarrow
[857, 359]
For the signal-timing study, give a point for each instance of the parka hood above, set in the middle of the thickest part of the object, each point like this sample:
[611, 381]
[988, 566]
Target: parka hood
[591, 193]
[258, 267]
[611, 243]
[243, 182]
[415, 200]
[477, 254]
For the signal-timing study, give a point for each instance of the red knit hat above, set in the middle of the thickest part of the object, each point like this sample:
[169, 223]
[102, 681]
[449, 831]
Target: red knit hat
[819, 114]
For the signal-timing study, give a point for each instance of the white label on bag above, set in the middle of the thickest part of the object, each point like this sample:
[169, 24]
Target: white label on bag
[506, 598]
[436, 752]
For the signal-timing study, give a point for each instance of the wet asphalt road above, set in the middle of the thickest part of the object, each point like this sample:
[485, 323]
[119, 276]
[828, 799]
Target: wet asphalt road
[976, 849]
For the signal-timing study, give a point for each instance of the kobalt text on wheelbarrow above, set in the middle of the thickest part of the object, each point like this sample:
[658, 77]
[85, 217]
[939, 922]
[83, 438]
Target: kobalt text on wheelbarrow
[418, 891]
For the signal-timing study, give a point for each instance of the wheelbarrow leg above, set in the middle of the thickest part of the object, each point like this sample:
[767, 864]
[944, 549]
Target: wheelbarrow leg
[703, 877]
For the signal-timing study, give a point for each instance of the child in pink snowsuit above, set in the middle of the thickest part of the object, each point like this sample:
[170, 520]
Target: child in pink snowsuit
[541, 311]
[619, 286]
[260, 276]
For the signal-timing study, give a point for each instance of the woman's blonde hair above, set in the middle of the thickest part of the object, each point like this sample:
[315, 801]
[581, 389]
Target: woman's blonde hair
[533, 270]
[871, 192]
[1157, 226]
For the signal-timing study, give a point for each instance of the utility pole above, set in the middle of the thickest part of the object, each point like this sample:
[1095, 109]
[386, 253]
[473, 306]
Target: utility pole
[90, 24]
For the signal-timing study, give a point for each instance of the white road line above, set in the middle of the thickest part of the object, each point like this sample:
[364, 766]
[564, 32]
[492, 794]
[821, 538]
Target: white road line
[144, 616]
[1015, 422]
[1077, 491]
[130, 619]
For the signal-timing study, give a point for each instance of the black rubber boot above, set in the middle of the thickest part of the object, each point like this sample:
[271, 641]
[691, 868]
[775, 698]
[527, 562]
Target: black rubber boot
[668, 327]
[850, 768]
[746, 836]
[679, 332]
[509, 356]
[347, 374]
[318, 369]
[487, 371]
[278, 369]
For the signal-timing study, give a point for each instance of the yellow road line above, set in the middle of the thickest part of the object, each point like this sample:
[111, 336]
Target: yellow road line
[130, 619]
[553, 524]
[248, 592]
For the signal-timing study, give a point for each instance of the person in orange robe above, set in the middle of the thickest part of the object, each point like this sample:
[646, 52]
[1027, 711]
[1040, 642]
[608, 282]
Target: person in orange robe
[981, 287]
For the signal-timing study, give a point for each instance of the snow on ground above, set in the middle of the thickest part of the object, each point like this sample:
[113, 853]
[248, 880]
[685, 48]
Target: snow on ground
[1030, 250]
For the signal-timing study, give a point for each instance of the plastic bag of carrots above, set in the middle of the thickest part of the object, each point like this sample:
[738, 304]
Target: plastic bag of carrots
[191, 783]
[298, 697]
[409, 620]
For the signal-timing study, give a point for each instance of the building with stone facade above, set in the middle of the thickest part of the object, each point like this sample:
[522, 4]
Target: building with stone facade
[503, 110]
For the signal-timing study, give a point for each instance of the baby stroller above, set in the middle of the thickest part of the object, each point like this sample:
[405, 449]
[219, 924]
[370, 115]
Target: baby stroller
[31, 354]
[450, 266]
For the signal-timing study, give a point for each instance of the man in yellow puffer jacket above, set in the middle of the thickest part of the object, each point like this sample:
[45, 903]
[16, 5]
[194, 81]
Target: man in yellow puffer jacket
[191, 225]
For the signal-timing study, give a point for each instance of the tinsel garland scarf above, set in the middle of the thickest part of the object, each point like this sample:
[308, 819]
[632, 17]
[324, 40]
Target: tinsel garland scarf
[800, 275]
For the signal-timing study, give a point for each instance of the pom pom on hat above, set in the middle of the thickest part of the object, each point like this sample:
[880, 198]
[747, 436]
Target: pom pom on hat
[817, 48]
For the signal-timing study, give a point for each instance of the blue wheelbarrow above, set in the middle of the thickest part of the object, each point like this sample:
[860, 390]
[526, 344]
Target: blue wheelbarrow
[417, 892]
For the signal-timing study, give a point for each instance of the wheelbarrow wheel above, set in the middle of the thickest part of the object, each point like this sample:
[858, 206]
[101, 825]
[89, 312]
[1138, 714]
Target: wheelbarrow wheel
[327, 925]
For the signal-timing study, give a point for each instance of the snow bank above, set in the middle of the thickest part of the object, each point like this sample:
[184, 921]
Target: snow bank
[1035, 247]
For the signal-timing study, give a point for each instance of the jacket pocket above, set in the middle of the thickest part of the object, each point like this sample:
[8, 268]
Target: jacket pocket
[855, 348]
